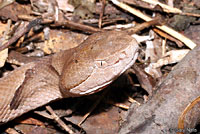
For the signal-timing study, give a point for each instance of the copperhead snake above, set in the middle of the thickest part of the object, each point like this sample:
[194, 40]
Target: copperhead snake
[83, 70]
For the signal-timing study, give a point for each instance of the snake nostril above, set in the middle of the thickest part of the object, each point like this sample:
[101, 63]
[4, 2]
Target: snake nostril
[76, 61]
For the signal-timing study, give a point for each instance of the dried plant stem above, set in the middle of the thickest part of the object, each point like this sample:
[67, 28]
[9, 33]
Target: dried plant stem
[93, 107]
[58, 120]
[189, 43]
[170, 9]
[164, 6]
[102, 12]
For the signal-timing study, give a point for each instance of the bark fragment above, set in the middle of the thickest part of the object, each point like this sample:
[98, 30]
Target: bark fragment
[160, 114]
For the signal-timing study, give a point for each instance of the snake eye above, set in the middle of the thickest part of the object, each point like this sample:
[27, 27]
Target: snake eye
[101, 63]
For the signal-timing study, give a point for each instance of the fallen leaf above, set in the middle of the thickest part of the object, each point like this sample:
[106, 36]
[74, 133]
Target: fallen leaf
[3, 57]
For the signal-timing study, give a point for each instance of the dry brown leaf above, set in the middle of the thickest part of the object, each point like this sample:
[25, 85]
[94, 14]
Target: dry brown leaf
[59, 40]
[13, 10]
[106, 122]
[65, 6]
[33, 129]
[4, 53]
[3, 57]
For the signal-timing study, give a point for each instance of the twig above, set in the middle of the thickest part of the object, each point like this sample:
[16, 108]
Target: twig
[78, 26]
[168, 30]
[102, 12]
[167, 36]
[166, 8]
[130, 99]
[169, 9]
[120, 26]
[20, 32]
[93, 107]
[30, 18]
[120, 105]
[58, 120]
[142, 26]
[44, 114]
[66, 23]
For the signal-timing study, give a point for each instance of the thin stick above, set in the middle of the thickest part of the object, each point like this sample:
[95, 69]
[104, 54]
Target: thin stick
[130, 99]
[20, 32]
[165, 7]
[58, 120]
[119, 105]
[142, 26]
[102, 12]
[93, 107]
[79, 26]
[167, 36]
[170, 9]
[168, 30]
[66, 23]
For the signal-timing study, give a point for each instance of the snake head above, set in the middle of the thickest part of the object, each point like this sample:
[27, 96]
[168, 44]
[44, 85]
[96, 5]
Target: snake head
[97, 62]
